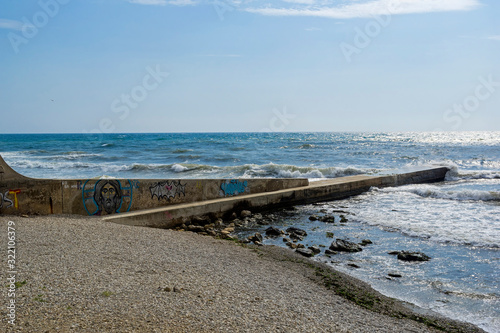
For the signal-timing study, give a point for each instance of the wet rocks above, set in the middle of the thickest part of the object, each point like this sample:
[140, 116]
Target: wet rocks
[410, 255]
[314, 249]
[245, 213]
[344, 246]
[396, 275]
[365, 242]
[413, 256]
[313, 218]
[297, 231]
[327, 218]
[305, 252]
[256, 238]
[273, 232]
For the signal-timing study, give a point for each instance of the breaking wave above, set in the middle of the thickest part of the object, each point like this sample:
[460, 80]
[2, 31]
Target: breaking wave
[429, 191]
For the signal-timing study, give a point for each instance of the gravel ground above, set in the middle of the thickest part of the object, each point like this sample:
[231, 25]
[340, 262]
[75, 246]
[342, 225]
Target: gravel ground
[86, 275]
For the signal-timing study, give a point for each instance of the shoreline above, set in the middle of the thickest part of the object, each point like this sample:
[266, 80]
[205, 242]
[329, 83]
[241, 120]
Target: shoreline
[84, 274]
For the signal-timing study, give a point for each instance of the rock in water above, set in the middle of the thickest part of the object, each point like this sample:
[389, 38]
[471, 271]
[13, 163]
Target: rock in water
[345, 246]
[315, 249]
[256, 238]
[365, 242]
[413, 256]
[272, 231]
[305, 252]
[297, 231]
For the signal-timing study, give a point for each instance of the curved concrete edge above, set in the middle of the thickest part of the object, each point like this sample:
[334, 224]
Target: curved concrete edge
[7, 173]
[326, 190]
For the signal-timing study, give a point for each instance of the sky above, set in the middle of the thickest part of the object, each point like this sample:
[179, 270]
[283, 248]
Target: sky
[80, 66]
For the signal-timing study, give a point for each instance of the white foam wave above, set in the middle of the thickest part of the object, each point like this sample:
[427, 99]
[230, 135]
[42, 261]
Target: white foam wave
[465, 219]
[436, 192]
[179, 168]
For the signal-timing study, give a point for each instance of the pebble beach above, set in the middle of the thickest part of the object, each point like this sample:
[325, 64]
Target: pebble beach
[81, 274]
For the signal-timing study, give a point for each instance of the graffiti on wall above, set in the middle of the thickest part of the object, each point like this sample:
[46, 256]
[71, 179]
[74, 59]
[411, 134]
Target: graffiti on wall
[167, 189]
[233, 187]
[5, 202]
[107, 196]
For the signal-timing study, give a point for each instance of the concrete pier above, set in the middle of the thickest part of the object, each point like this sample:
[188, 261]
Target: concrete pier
[166, 203]
[331, 189]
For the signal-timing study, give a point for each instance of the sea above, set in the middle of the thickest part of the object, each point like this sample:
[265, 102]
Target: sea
[455, 222]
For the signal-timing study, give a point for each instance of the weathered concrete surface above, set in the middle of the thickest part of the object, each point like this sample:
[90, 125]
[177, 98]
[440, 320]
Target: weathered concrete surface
[23, 195]
[331, 189]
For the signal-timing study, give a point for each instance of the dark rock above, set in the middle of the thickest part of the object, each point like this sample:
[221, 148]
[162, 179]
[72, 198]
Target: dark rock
[258, 243]
[286, 240]
[345, 246]
[233, 216]
[245, 213]
[329, 234]
[394, 253]
[291, 245]
[273, 232]
[327, 218]
[353, 265]
[256, 238]
[330, 252]
[195, 228]
[313, 218]
[343, 219]
[300, 246]
[200, 220]
[219, 223]
[263, 222]
[413, 256]
[315, 249]
[396, 275]
[296, 237]
[297, 231]
[365, 242]
[305, 252]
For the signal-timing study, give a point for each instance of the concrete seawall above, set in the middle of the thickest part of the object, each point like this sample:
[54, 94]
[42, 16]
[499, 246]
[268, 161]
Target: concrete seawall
[331, 189]
[166, 203]
[23, 195]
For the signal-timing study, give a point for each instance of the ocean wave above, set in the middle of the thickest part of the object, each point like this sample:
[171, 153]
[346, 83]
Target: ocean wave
[430, 191]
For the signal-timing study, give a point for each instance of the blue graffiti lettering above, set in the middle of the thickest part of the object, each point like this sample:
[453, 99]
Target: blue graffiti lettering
[233, 187]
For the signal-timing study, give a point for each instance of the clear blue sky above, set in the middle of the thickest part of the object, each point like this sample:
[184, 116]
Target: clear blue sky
[328, 65]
